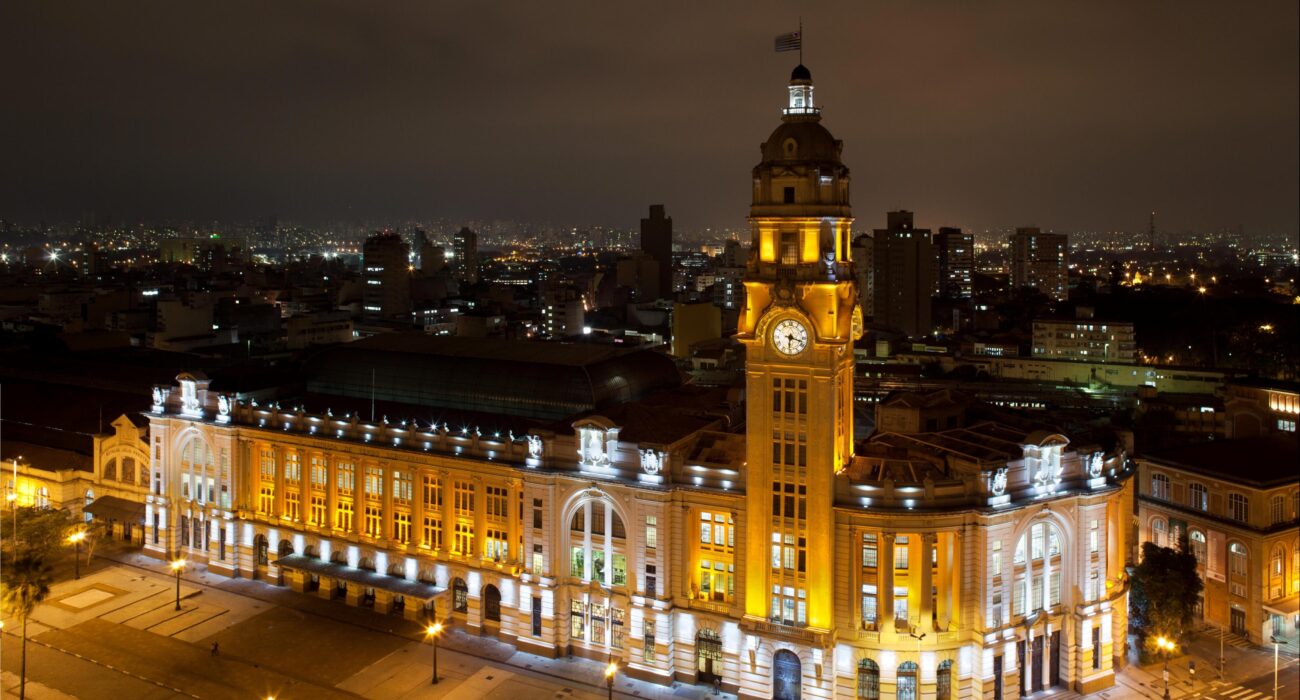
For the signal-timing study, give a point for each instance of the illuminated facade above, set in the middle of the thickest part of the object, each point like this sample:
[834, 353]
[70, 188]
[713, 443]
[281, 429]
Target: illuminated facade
[956, 562]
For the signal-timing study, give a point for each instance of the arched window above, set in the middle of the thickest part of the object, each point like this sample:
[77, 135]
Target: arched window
[1277, 572]
[110, 469]
[1038, 565]
[198, 476]
[868, 680]
[1197, 539]
[906, 681]
[1198, 497]
[1238, 571]
[1158, 534]
[127, 474]
[1277, 509]
[260, 548]
[1160, 486]
[1238, 507]
[598, 543]
[943, 681]
[285, 548]
[459, 596]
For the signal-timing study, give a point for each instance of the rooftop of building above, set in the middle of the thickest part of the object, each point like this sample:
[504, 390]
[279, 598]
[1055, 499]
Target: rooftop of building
[1262, 462]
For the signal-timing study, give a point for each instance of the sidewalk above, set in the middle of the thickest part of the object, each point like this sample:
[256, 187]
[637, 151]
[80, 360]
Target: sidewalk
[578, 671]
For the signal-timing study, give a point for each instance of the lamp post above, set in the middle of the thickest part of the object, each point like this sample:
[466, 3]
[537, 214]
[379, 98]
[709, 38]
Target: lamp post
[1166, 646]
[1276, 642]
[433, 631]
[76, 538]
[610, 671]
[178, 565]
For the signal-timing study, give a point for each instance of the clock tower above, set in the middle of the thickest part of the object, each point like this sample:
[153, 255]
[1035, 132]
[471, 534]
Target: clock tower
[798, 327]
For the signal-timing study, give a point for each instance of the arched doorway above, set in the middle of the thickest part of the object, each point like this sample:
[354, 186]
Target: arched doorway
[708, 656]
[868, 680]
[261, 556]
[492, 604]
[787, 676]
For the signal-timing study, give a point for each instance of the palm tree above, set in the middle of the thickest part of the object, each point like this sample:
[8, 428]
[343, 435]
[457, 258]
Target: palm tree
[27, 583]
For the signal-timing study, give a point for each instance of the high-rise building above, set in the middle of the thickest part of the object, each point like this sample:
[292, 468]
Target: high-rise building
[657, 241]
[956, 255]
[1039, 260]
[465, 247]
[864, 267]
[387, 275]
[904, 262]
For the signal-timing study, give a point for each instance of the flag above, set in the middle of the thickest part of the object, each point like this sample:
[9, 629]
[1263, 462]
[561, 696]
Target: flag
[789, 42]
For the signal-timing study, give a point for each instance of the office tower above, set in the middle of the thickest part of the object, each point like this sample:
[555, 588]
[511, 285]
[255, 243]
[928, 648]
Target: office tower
[465, 245]
[904, 262]
[956, 253]
[1039, 260]
[657, 241]
[864, 267]
[387, 275]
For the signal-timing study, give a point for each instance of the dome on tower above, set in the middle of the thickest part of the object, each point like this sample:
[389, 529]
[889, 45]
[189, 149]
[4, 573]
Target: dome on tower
[800, 72]
[801, 140]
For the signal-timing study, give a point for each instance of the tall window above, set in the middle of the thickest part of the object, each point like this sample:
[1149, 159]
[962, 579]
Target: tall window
[598, 544]
[1277, 509]
[1238, 561]
[651, 532]
[1160, 486]
[431, 533]
[1198, 496]
[717, 556]
[1158, 534]
[790, 396]
[943, 681]
[906, 688]
[868, 680]
[1197, 540]
[1238, 507]
[1038, 574]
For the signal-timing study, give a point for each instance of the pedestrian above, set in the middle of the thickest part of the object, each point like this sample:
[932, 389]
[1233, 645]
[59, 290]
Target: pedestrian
[216, 648]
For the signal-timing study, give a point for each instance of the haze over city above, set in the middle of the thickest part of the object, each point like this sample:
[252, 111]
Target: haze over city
[1066, 116]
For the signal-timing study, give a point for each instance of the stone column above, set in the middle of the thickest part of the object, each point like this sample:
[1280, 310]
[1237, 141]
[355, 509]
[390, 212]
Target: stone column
[885, 579]
[386, 514]
[358, 498]
[927, 583]
[279, 454]
[331, 492]
[417, 507]
[946, 552]
[480, 518]
[514, 548]
[326, 589]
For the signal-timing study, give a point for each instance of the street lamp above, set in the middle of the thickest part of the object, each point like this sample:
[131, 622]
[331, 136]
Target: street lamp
[178, 565]
[1166, 646]
[1273, 638]
[76, 538]
[433, 631]
[610, 670]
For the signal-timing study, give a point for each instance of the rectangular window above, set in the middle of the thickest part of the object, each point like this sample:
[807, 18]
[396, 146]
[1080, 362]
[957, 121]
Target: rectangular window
[464, 539]
[267, 466]
[537, 513]
[317, 510]
[996, 559]
[291, 505]
[868, 606]
[577, 625]
[651, 580]
[497, 545]
[869, 551]
[432, 492]
[432, 535]
[648, 643]
[789, 241]
[651, 532]
[343, 516]
[266, 500]
[537, 616]
[402, 487]
[496, 502]
[787, 196]
[538, 560]
[901, 552]
[402, 527]
[374, 483]
[1094, 536]
[292, 467]
[463, 497]
[374, 521]
[345, 476]
[319, 473]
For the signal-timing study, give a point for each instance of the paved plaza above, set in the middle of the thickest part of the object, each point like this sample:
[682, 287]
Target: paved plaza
[116, 633]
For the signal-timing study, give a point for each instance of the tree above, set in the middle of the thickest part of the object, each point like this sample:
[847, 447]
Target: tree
[1164, 591]
[41, 532]
[27, 582]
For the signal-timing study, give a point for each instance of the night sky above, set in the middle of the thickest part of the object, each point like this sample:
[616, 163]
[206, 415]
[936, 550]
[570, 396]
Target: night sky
[1079, 115]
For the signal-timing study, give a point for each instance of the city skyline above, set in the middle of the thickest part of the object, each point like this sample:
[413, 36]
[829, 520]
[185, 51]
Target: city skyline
[469, 114]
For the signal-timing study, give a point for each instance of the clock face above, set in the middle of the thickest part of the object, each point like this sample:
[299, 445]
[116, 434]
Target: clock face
[790, 337]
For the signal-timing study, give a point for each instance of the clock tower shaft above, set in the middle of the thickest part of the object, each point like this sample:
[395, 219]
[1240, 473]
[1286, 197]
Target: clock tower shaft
[798, 326]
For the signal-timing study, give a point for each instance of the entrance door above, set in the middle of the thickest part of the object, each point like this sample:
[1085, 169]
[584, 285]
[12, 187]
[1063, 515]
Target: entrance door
[491, 603]
[1038, 664]
[787, 676]
[997, 677]
[708, 656]
[1237, 620]
[1055, 651]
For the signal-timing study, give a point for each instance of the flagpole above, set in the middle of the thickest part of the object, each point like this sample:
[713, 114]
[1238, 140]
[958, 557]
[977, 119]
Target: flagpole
[800, 39]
